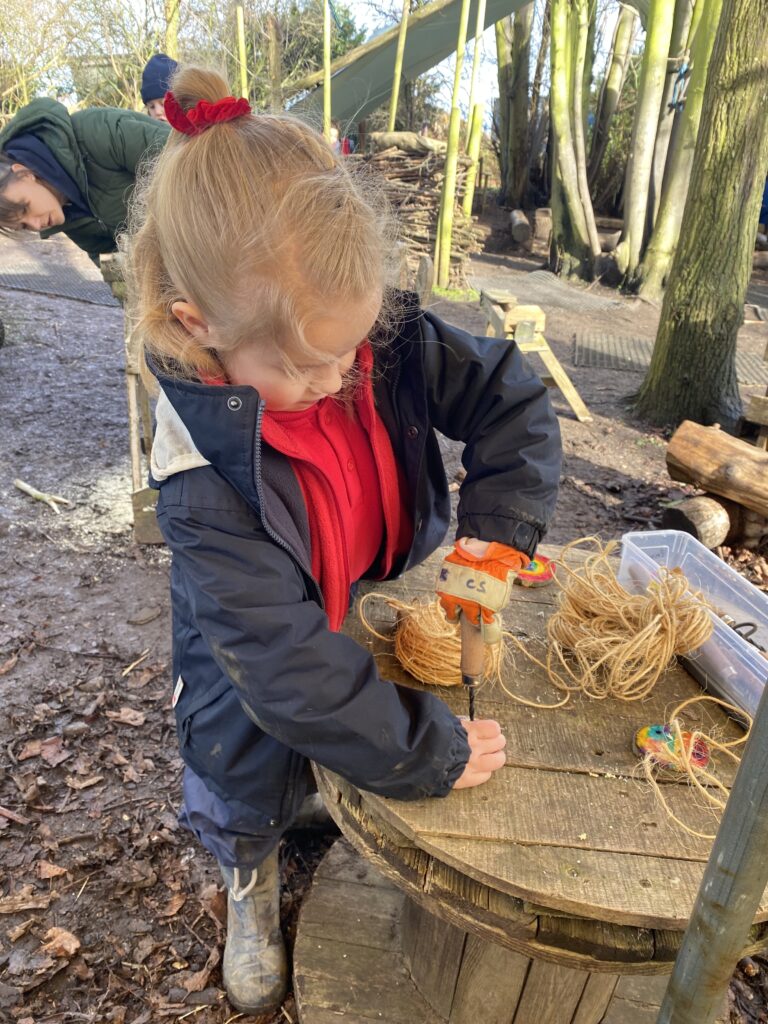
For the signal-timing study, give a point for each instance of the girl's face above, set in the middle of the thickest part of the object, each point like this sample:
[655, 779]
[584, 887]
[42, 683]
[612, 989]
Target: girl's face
[41, 207]
[338, 334]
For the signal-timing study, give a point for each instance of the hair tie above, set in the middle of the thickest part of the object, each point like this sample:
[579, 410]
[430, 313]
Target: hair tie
[203, 114]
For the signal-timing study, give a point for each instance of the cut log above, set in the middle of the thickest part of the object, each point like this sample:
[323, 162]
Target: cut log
[717, 462]
[708, 519]
[608, 240]
[408, 142]
[519, 226]
[542, 229]
[760, 260]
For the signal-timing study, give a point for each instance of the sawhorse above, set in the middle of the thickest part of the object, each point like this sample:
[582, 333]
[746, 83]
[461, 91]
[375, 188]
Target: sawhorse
[525, 326]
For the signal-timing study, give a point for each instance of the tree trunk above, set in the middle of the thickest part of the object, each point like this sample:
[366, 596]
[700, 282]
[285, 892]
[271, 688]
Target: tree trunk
[172, 13]
[649, 95]
[693, 373]
[534, 113]
[517, 160]
[275, 64]
[668, 117]
[575, 244]
[610, 91]
[503, 31]
[661, 247]
[583, 54]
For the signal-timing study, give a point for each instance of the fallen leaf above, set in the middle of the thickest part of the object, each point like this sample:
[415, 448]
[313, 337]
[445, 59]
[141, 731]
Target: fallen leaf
[173, 906]
[8, 664]
[24, 900]
[30, 749]
[52, 751]
[60, 942]
[213, 900]
[127, 716]
[14, 934]
[45, 869]
[195, 981]
[75, 783]
[145, 615]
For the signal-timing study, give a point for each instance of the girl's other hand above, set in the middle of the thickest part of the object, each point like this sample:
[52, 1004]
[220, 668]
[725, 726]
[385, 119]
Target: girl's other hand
[486, 752]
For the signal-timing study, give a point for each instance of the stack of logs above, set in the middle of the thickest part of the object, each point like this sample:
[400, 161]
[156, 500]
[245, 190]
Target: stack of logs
[735, 475]
[413, 176]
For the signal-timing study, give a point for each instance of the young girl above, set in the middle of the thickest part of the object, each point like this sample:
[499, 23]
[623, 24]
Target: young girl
[295, 454]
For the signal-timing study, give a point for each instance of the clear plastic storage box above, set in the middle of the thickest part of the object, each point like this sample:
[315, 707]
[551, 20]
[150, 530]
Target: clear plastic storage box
[728, 665]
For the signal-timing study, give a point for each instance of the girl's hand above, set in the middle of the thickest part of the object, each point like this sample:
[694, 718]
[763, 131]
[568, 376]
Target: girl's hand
[486, 752]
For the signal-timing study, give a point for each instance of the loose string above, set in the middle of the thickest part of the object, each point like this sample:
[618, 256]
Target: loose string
[704, 781]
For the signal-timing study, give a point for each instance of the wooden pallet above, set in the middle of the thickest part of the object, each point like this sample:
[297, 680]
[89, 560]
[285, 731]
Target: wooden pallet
[525, 325]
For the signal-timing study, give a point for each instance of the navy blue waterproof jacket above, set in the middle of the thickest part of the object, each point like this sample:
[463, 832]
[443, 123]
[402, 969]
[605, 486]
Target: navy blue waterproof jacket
[265, 684]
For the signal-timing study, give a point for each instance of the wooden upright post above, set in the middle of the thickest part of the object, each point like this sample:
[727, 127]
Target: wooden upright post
[445, 221]
[327, 70]
[733, 884]
[241, 52]
[398, 65]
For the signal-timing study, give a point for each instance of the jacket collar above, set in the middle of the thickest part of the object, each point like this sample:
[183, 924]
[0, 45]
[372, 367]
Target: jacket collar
[214, 424]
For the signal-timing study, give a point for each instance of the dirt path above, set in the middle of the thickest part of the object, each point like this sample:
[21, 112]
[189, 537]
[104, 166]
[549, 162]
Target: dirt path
[109, 912]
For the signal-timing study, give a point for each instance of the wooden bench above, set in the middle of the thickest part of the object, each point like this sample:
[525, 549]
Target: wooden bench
[525, 324]
[557, 893]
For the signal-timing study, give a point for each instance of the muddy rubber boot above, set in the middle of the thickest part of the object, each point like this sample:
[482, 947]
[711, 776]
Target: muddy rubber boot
[255, 965]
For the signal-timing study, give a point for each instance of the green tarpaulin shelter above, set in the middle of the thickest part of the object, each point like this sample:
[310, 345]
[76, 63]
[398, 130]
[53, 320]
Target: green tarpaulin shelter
[362, 78]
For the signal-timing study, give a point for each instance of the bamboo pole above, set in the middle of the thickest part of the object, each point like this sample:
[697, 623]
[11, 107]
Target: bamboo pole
[327, 70]
[475, 138]
[479, 29]
[443, 264]
[733, 884]
[241, 52]
[399, 64]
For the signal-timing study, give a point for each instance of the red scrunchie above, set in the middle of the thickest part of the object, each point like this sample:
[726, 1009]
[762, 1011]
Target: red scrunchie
[203, 114]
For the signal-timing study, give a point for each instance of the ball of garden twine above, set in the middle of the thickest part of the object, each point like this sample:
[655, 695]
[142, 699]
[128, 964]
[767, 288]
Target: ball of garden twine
[426, 644]
[604, 641]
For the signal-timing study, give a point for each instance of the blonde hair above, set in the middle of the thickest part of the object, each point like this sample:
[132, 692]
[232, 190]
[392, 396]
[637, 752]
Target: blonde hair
[258, 223]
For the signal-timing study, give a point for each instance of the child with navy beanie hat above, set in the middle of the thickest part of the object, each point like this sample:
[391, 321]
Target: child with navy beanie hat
[158, 72]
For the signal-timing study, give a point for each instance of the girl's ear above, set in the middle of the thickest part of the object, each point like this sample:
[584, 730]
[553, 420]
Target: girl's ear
[22, 171]
[193, 321]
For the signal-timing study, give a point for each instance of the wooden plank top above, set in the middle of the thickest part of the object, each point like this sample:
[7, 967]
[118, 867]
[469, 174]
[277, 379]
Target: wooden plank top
[569, 825]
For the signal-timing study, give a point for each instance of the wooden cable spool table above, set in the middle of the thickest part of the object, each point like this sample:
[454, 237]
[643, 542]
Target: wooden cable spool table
[556, 893]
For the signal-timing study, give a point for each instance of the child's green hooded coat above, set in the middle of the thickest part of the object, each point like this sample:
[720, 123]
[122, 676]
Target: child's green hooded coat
[101, 149]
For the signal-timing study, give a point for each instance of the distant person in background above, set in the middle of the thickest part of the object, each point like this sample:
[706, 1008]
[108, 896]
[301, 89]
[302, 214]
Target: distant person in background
[339, 144]
[158, 72]
[73, 172]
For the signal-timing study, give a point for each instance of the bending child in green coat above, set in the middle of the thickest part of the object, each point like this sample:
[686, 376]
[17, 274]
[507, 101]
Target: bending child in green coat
[73, 173]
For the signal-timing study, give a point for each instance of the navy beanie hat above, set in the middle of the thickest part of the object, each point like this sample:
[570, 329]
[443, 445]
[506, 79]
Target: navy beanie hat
[156, 76]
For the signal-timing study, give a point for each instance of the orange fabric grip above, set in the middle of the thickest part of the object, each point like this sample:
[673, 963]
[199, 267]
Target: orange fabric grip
[478, 585]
